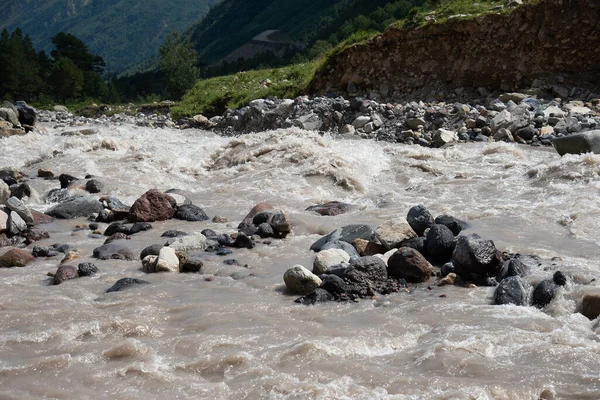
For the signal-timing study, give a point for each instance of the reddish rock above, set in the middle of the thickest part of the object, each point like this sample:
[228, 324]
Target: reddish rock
[153, 205]
[64, 273]
[15, 258]
[260, 207]
[35, 235]
[40, 218]
[409, 264]
[368, 248]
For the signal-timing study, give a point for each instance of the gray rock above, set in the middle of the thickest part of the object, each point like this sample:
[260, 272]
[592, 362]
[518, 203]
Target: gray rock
[503, 119]
[20, 208]
[503, 135]
[420, 219]
[553, 111]
[27, 114]
[113, 251]
[579, 143]
[346, 234]
[3, 221]
[87, 269]
[338, 244]
[15, 224]
[347, 129]
[475, 255]
[444, 136]
[515, 97]
[124, 283]
[190, 212]
[414, 123]
[391, 233]
[4, 192]
[193, 241]
[310, 122]
[328, 258]
[511, 291]
[316, 296]
[9, 115]
[361, 121]
[301, 281]
[75, 208]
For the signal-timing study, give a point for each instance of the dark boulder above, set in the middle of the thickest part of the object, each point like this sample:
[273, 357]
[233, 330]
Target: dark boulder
[440, 243]
[190, 212]
[152, 250]
[75, 208]
[476, 255]
[338, 244]
[345, 234]
[265, 230]
[65, 180]
[152, 206]
[27, 114]
[65, 273]
[447, 269]
[334, 284]
[318, 295]
[116, 227]
[21, 190]
[94, 186]
[331, 208]
[174, 233]
[15, 258]
[454, 224]
[545, 291]
[124, 283]
[417, 243]
[192, 264]
[512, 290]
[139, 227]
[367, 270]
[87, 269]
[43, 251]
[113, 251]
[420, 219]
[410, 265]
[116, 236]
[242, 241]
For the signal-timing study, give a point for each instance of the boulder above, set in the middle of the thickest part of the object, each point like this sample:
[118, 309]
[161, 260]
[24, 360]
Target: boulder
[27, 114]
[367, 270]
[193, 241]
[454, 224]
[318, 295]
[301, 281]
[410, 265]
[511, 290]
[444, 136]
[309, 122]
[124, 283]
[503, 119]
[117, 227]
[514, 97]
[391, 233]
[440, 243]
[417, 243]
[328, 258]
[368, 248]
[152, 250]
[590, 304]
[15, 258]
[65, 273]
[167, 260]
[578, 143]
[4, 192]
[65, 180]
[113, 251]
[476, 255]
[139, 227]
[346, 234]
[415, 123]
[9, 115]
[75, 208]
[94, 186]
[3, 221]
[361, 121]
[87, 269]
[34, 235]
[334, 285]
[193, 264]
[153, 205]
[338, 244]
[331, 208]
[545, 291]
[190, 212]
[16, 225]
[149, 264]
[420, 219]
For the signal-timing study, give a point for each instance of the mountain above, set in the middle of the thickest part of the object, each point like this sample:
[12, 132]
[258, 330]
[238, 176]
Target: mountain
[231, 24]
[123, 32]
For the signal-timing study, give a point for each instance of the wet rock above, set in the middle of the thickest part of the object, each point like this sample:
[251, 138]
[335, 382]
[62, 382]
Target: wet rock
[94, 186]
[590, 304]
[476, 255]
[331, 208]
[190, 212]
[21, 191]
[62, 248]
[420, 219]
[116, 236]
[265, 230]
[280, 223]
[75, 208]
[193, 241]
[334, 285]
[167, 260]
[440, 243]
[151, 250]
[16, 205]
[116, 227]
[367, 270]
[15, 224]
[58, 195]
[65, 180]
[242, 241]
[124, 283]
[246, 226]
[4, 192]
[579, 143]
[410, 265]
[219, 219]
[454, 224]
[174, 233]
[318, 295]
[43, 251]
[87, 269]
[40, 218]
[139, 227]
[367, 248]
[516, 267]
[152, 206]
[45, 173]
[338, 244]
[392, 233]
[511, 290]
[34, 235]
[65, 273]
[346, 234]
[450, 279]
[231, 262]
[113, 251]
[544, 292]
[192, 265]
[417, 243]
[27, 114]
[15, 258]
[149, 264]
[301, 281]
[328, 258]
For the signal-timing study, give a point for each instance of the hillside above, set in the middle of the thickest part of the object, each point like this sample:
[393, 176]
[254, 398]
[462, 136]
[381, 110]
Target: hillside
[123, 32]
[232, 23]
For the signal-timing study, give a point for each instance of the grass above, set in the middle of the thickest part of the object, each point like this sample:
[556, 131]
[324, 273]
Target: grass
[213, 96]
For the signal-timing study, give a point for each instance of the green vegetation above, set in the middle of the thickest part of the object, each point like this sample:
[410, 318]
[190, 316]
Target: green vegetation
[178, 63]
[213, 96]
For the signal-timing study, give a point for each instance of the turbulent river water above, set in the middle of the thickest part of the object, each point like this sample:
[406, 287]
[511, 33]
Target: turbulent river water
[234, 333]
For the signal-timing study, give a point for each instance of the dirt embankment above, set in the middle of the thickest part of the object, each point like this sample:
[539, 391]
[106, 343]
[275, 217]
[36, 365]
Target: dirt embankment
[552, 46]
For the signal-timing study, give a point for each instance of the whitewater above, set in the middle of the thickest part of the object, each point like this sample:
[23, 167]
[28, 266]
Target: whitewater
[233, 332]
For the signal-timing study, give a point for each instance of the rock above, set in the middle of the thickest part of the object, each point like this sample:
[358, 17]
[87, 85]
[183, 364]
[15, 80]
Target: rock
[94, 186]
[590, 304]
[149, 264]
[391, 233]
[579, 143]
[190, 212]
[301, 281]
[243, 241]
[334, 285]
[193, 265]
[40, 218]
[43, 251]
[75, 208]
[331, 208]
[113, 251]
[346, 234]
[476, 255]
[4, 192]
[415, 123]
[139, 227]
[444, 136]
[417, 243]
[367, 270]
[526, 133]
[410, 265]
[87, 269]
[516, 267]
[152, 250]
[180, 199]
[367, 248]
[116, 227]
[440, 243]
[9, 115]
[347, 129]
[34, 235]
[65, 273]
[553, 111]
[16, 225]
[454, 224]
[193, 241]
[116, 236]
[503, 135]
[318, 295]
[265, 230]
[260, 207]
[60, 108]
[20, 208]
[152, 206]
[521, 117]
[361, 121]
[420, 219]
[171, 233]
[219, 219]
[3, 221]
[27, 114]
[503, 119]
[514, 97]
[337, 244]
[65, 180]
[511, 291]
[6, 130]
[15, 258]
[544, 292]
[328, 258]
[21, 191]
[124, 283]
[309, 122]
[167, 260]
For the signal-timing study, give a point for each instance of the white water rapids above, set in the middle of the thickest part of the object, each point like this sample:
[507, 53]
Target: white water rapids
[233, 333]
